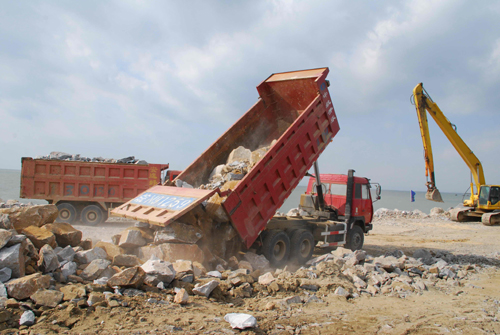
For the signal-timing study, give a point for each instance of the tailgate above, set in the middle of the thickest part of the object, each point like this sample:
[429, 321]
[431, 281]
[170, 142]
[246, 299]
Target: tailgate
[160, 205]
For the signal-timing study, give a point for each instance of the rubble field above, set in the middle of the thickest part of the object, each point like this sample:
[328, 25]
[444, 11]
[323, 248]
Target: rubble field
[417, 274]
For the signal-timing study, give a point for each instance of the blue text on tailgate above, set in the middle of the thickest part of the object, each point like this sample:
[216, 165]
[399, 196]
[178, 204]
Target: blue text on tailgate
[163, 201]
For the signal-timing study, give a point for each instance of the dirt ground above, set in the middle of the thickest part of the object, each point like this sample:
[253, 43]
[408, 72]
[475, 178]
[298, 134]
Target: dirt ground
[467, 306]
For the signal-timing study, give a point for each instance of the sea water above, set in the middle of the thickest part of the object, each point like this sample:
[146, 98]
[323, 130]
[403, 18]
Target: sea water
[10, 189]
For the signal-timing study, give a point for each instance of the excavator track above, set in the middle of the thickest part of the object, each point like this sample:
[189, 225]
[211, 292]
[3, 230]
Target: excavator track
[459, 214]
[490, 219]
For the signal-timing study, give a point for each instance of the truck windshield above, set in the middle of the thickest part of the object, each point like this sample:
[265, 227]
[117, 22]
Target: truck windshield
[483, 195]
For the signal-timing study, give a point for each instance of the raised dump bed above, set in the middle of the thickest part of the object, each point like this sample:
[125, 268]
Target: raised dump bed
[294, 120]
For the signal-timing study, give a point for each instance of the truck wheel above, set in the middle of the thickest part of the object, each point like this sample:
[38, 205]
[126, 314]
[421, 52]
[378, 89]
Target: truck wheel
[302, 246]
[92, 215]
[67, 213]
[355, 238]
[276, 247]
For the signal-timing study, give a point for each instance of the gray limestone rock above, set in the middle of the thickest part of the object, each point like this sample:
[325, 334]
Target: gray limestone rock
[87, 256]
[66, 254]
[5, 236]
[48, 260]
[5, 274]
[94, 269]
[206, 289]
[68, 269]
[13, 258]
[27, 319]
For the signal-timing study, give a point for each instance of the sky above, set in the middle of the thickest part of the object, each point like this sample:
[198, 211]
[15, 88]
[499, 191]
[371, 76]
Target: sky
[162, 80]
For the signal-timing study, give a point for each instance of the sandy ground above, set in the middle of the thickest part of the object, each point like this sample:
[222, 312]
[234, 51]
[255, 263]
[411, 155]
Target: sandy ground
[468, 306]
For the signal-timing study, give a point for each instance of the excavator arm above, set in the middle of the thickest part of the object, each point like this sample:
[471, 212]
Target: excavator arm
[424, 103]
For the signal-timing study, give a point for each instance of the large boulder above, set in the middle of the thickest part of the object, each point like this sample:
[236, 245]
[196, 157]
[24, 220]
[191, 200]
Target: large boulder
[39, 237]
[178, 232]
[239, 154]
[87, 256]
[171, 252]
[126, 260]
[65, 233]
[163, 271]
[131, 239]
[13, 258]
[24, 287]
[39, 215]
[132, 277]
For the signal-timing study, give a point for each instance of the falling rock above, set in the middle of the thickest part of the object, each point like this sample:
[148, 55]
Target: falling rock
[131, 277]
[162, 270]
[341, 252]
[258, 262]
[245, 265]
[48, 260]
[5, 236]
[27, 319]
[87, 256]
[181, 297]
[239, 154]
[65, 233]
[112, 250]
[39, 215]
[94, 269]
[26, 286]
[257, 155]
[68, 269]
[39, 237]
[266, 279]
[5, 274]
[206, 289]
[126, 260]
[13, 258]
[131, 239]
[240, 320]
[49, 298]
[172, 251]
[178, 232]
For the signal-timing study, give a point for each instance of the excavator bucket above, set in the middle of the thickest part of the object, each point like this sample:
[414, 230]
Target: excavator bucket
[433, 195]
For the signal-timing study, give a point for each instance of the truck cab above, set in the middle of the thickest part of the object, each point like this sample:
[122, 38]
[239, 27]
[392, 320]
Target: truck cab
[334, 187]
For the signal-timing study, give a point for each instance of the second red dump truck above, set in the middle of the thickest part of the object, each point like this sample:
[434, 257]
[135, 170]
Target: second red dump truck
[84, 191]
[295, 119]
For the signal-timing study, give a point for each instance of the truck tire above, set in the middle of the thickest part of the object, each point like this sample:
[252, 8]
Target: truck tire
[92, 215]
[67, 213]
[302, 246]
[276, 247]
[355, 238]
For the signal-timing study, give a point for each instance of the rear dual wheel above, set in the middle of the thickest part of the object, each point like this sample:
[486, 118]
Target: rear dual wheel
[67, 213]
[302, 246]
[93, 215]
[279, 248]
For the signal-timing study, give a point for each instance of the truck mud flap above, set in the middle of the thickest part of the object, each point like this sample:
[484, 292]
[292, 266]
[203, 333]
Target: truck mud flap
[161, 205]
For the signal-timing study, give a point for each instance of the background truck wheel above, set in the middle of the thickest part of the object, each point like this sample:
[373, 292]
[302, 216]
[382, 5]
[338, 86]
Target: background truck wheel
[92, 215]
[67, 213]
[355, 238]
[301, 245]
[276, 247]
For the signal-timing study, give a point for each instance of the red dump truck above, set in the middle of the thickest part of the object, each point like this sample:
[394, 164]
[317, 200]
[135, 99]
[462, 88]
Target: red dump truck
[86, 190]
[295, 118]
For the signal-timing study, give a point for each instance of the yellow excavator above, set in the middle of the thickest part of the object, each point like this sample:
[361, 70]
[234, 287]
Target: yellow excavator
[484, 202]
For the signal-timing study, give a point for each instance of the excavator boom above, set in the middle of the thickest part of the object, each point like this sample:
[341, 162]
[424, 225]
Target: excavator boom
[424, 103]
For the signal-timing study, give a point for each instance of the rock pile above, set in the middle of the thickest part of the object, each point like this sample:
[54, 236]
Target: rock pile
[56, 155]
[384, 213]
[13, 203]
